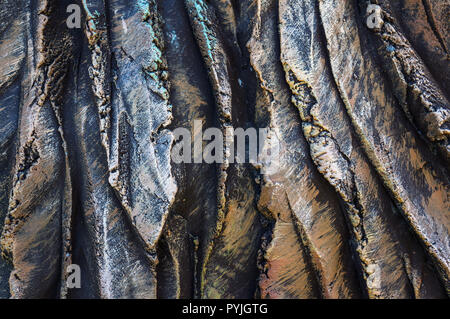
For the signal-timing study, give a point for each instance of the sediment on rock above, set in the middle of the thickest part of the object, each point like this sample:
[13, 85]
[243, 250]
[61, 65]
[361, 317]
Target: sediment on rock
[382, 240]
[372, 107]
[420, 96]
[237, 224]
[39, 201]
[309, 227]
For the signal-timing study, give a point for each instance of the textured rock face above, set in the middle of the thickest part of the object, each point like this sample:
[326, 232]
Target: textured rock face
[356, 207]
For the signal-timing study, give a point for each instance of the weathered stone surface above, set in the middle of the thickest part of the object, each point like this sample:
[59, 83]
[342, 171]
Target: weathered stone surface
[419, 185]
[309, 230]
[382, 239]
[355, 206]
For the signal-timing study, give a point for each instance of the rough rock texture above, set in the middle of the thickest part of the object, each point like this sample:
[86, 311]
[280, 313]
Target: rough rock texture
[356, 205]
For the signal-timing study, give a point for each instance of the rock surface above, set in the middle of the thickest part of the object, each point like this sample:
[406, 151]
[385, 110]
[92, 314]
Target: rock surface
[356, 205]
